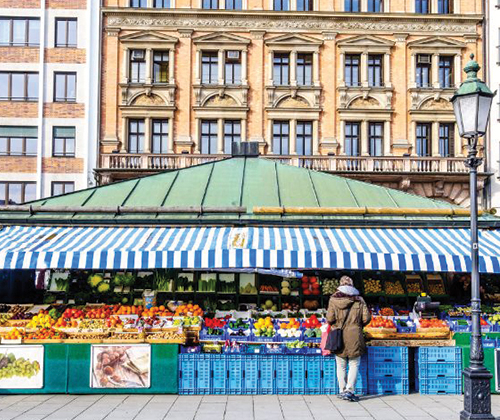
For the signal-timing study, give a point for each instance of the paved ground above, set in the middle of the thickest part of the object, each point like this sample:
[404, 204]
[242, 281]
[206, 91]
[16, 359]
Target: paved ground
[171, 407]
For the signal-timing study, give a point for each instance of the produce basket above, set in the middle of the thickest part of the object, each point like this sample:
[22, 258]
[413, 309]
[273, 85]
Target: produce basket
[237, 337]
[394, 289]
[302, 350]
[204, 336]
[373, 284]
[379, 332]
[278, 349]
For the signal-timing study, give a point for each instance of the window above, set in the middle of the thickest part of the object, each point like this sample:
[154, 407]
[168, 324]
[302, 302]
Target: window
[375, 6]
[210, 4]
[281, 5]
[423, 70]
[232, 135]
[281, 69]
[64, 142]
[209, 67]
[281, 137]
[160, 67]
[304, 138]
[66, 30]
[18, 141]
[447, 139]
[138, 3]
[234, 5]
[352, 62]
[160, 136]
[65, 87]
[208, 137]
[162, 4]
[375, 70]
[137, 66]
[422, 6]
[352, 138]
[17, 192]
[136, 136]
[351, 5]
[305, 5]
[59, 188]
[375, 138]
[445, 6]
[446, 72]
[232, 72]
[424, 139]
[18, 86]
[19, 32]
[304, 69]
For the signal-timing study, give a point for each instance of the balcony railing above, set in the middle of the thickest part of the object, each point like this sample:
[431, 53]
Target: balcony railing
[154, 162]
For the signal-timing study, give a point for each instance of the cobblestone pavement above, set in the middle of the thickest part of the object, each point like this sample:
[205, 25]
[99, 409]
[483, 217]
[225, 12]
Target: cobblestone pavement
[218, 407]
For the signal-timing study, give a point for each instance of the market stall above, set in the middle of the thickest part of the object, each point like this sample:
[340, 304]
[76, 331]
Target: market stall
[233, 261]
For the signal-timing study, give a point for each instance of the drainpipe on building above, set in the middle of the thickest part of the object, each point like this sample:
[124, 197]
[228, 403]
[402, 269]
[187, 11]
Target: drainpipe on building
[41, 101]
[487, 190]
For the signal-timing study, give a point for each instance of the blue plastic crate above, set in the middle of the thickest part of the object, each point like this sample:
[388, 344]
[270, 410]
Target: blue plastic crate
[261, 339]
[329, 384]
[388, 386]
[294, 351]
[395, 370]
[254, 349]
[312, 351]
[312, 339]
[489, 342]
[203, 373]
[187, 373]
[387, 354]
[298, 374]
[204, 336]
[234, 374]
[251, 374]
[190, 349]
[282, 366]
[313, 374]
[246, 337]
[219, 374]
[440, 386]
[440, 355]
[266, 375]
[273, 351]
[438, 370]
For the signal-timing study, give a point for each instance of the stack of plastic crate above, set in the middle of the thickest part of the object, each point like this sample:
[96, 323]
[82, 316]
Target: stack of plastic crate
[439, 370]
[388, 370]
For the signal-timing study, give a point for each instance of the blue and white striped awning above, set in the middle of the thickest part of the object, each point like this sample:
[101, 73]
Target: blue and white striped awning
[252, 247]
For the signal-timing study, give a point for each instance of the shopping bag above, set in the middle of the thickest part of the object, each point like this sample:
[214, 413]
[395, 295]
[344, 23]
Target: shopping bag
[324, 338]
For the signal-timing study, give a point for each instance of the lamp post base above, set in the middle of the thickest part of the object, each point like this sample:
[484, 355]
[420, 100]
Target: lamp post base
[477, 395]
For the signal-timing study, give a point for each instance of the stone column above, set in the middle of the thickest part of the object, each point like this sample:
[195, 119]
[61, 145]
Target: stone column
[342, 137]
[149, 66]
[170, 146]
[197, 68]
[341, 78]
[220, 136]
[243, 130]
[270, 134]
[413, 138]
[124, 136]
[244, 69]
[147, 135]
[364, 69]
[387, 139]
[171, 66]
[220, 67]
[270, 80]
[316, 78]
[435, 139]
[363, 139]
[126, 66]
[458, 70]
[435, 71]
[315, 139]
[292, 137]
[387, 70]
[413, 71]
[293, 68]
[197, 136]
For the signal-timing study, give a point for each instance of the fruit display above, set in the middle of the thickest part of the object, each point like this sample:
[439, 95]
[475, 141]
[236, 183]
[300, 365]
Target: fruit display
[312, 327]
[13, 334]
[270, 305]
[297, 344]
[129, 310]
[432, 325]
[386, 312]
[41, 321]
[4, 318]
[267, 288]
[285, 288]
[214, 326]
[156, 311]
[436, 288]
[394, 288]
[16, 309]
[310, 286]
[287, 306]
[330, 286]
[494, 319]
[46, 334]
[264, 327]
[10, 367]
[248, 289]
[167, 336]
[372, 286]
[290, 329]
[189, 310]
[381, 322]
[311, 305]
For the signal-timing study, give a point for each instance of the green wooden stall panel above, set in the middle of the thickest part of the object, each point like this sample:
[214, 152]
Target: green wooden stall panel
[55, 372]
[163, 371]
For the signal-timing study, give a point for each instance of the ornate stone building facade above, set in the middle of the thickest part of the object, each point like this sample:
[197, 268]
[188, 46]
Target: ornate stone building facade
[354, 87]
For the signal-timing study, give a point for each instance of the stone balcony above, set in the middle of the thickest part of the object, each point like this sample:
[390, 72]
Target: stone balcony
[434, 177]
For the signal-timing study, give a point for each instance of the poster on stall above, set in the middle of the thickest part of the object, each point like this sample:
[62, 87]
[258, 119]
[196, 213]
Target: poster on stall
[21, 367]
[118, 366]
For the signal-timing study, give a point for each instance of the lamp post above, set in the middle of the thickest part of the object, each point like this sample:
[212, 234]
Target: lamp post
[471, 104]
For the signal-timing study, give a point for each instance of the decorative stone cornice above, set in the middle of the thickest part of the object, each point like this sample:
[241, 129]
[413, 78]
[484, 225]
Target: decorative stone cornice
[400, 37]
[279, 22]
[185, 33]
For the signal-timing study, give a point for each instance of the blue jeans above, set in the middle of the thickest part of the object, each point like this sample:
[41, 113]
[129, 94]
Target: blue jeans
[347, 382]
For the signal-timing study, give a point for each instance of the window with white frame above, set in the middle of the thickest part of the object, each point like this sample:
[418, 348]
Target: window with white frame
[352, 5]
[352, 69]
[281, 68]
[376, 138]
[375, 70]
[352, 138]
[210, 4]
[210, 67]
[136, 135]
[304, 69]
[161, 4]
[304, 138]
[281, 5]
[281, 137]
[375, 6]
[447, 139]
[446, 64]
[161, 67]
[232, 67]
[424, 139]
[160, 134]
[234, 4]
[424, 71]
[232, 135]
[305, 5]
[209, 135]
[422, 6]
[445, 7]
[19, 31]
[137, 69]
[139, 3]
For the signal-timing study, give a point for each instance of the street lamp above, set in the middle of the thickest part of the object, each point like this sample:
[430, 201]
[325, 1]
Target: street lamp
[471, 104]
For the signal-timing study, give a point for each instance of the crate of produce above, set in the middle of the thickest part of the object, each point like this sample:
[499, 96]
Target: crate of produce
[313, 374]
[251, 374]
[187, 374]
[254, 349]
[266, 375]
[440, 355]
[438, 370]
[489, 342]
[387, 354]
[461, 325]
[388, 386]
[329, 383]
[312, 351]
[238, 335]
[405, 326]
[282, 367]
[440, 386]
[205, 336]
[203, 373]
[219, 374]
[234, 374]
[297, 374]
[397, 370]
[273, 349]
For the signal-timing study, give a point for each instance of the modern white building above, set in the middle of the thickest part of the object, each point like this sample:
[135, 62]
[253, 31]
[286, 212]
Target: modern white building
[49, 97]
[493, 64]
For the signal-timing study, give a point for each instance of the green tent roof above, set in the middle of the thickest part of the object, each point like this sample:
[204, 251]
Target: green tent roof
[243, 182]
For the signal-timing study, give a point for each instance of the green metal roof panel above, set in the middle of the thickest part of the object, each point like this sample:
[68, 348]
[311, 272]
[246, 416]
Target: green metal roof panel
[368, 195]
[416, 201]
[260, 187]
[78, 198]
[295, 187]
[225, 184]
[332, 191]
[151, 191]
[111, 195]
